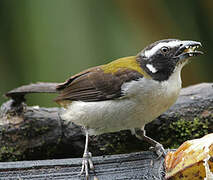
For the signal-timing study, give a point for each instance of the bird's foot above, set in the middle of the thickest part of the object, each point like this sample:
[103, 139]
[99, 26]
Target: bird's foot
[159, 150]
[87, 164]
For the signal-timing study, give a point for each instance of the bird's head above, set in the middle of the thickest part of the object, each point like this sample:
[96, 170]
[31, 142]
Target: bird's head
[164, 57]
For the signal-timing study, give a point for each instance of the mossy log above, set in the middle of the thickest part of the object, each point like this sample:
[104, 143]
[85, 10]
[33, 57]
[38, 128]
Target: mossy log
[29, 133]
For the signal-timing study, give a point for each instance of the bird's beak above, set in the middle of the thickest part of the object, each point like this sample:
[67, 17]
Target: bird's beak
[188, 49]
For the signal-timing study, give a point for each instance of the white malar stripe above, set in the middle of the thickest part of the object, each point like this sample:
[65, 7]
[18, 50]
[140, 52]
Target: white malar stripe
[151, 68]
[152, 51]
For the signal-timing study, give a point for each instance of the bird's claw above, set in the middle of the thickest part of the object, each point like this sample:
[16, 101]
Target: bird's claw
[87, 164]
[159, 150]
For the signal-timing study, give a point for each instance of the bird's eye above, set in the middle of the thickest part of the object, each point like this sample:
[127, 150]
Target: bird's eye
[164, 50]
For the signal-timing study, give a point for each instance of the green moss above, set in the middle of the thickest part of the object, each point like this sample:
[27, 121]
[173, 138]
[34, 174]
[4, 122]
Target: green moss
[41, 129]
[8, 153]
[183, 130]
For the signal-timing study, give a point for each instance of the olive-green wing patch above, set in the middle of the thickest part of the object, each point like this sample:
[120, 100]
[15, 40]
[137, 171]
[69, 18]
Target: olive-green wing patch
[96, 84]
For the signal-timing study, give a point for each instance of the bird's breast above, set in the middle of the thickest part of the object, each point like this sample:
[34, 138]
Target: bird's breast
[143, 101]
[153, 97]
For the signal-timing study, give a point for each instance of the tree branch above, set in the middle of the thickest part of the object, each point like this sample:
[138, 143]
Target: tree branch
[32, 132]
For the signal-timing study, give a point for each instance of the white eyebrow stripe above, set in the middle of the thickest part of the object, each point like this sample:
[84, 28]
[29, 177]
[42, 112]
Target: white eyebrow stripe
[151, 68]
[149, 53]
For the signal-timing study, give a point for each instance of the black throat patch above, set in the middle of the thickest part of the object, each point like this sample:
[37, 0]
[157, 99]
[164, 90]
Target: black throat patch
[164, 66]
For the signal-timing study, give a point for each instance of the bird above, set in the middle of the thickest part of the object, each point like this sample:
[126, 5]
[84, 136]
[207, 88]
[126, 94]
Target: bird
[126, 93]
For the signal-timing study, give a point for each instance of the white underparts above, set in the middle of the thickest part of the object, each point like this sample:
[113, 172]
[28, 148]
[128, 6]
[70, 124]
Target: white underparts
[151, 68]
[143, 101]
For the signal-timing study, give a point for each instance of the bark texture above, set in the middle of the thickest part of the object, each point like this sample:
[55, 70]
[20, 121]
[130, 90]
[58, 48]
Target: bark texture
[39, 133]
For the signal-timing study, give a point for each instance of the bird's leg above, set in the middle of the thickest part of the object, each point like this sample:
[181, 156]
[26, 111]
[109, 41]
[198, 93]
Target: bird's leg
[87, 159]
[157, 147]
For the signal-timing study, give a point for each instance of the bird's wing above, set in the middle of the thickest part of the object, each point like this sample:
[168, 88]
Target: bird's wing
[101, 82]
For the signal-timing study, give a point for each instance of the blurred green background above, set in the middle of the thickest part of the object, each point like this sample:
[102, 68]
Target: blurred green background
[49, 40]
